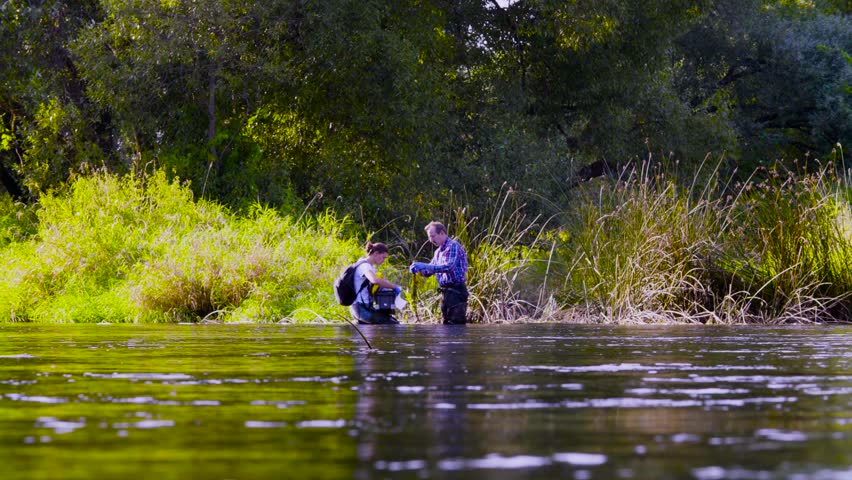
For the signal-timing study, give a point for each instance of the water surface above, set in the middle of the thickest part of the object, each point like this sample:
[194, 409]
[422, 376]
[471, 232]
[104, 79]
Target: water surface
[474, 402]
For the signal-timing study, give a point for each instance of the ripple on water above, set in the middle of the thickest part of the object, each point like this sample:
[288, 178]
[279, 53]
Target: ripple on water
[142, 401]
[17, 382]
[580, 459]
[774, 382]
[690, 392]
[322, 423]
[262, 424]
[145, 424]
[156, 401]
[216, 381]
[59, 426]
[529, 405]
[18, 356]
[400, 466]
[739, 473]
[19, 397]
[636, 367]
[278, 403]
[515, 388]
[320, 379]
[410, 389]
[141, 376]
[781, 435]
[496, 461]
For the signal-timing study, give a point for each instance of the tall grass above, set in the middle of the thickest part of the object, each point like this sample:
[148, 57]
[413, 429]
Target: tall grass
[17, 221]
[142, 249]
[646, 249]
[793, 248]
[636, 249]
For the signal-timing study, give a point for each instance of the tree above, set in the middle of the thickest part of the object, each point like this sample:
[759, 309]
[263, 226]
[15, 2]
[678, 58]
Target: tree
[545, 87]
[369, 102]
[48, 127]
[388, 107]
[782, 73]
[328, 90]
[181, 79]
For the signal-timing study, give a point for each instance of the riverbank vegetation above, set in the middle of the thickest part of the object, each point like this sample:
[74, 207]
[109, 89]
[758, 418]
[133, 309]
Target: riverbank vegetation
[617, 161]
[641, 248]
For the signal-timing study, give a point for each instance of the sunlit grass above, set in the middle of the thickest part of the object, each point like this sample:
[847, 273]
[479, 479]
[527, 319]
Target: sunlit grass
[508, 265]
[793, 245]
[645, 249]
[636, 249]
[132, 249]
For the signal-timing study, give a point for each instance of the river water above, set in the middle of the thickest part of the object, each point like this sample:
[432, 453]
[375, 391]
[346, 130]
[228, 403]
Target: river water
[474, 402]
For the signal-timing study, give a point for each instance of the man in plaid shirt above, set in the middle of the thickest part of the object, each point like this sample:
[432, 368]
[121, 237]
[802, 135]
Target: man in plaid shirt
[450, 265]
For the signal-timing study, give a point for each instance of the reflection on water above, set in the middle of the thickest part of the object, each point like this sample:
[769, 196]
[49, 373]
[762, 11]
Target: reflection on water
[475, 402]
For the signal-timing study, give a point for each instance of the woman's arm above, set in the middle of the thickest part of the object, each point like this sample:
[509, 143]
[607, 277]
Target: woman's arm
[374, 279]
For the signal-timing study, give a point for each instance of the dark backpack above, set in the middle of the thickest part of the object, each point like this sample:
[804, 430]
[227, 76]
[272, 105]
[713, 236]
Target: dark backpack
[344, 285]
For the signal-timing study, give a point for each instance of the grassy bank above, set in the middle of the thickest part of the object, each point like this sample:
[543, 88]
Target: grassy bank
[127, 249]
[646, 249]
[642, 248]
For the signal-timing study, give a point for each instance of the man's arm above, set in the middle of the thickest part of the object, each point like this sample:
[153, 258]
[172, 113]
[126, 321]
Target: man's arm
[450, 261]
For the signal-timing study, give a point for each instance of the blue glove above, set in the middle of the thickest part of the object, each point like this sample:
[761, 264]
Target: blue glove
[417, 267]
[397, 291]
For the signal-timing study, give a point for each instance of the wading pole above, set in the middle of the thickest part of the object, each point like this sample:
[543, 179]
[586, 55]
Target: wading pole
[357, 330]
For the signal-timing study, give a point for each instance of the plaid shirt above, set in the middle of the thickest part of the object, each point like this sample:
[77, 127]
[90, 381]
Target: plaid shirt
[450, 263]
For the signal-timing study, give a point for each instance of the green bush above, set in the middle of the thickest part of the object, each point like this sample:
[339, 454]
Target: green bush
[17, 221]
[117, 249]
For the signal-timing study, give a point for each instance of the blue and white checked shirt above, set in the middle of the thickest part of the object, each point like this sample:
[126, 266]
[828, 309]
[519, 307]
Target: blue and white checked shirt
[450, 263]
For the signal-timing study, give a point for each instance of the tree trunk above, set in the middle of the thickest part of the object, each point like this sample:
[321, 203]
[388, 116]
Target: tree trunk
[211, 118]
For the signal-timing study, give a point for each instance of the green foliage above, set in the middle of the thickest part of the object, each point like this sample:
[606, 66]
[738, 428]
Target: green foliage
[636, 249]
[381, 108]
[141, 249]
[193, 83]
[777, 72]
[17, 221]
[793, 245]
[49, 130]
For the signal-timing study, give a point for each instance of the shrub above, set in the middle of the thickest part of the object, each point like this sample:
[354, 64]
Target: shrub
[112, 248]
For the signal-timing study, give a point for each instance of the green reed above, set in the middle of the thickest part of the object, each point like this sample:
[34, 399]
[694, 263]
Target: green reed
[645, 248]
[508, 267]
[793, 246]
[635, 250]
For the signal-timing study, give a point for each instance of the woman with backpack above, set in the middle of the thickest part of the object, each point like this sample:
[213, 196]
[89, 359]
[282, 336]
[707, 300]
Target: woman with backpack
[365, 277]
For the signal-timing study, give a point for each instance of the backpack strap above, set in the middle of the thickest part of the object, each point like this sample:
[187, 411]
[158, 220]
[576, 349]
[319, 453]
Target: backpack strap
[364, 283]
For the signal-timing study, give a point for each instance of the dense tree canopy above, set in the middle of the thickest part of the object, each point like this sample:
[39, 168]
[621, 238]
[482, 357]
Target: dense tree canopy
[385, 106]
